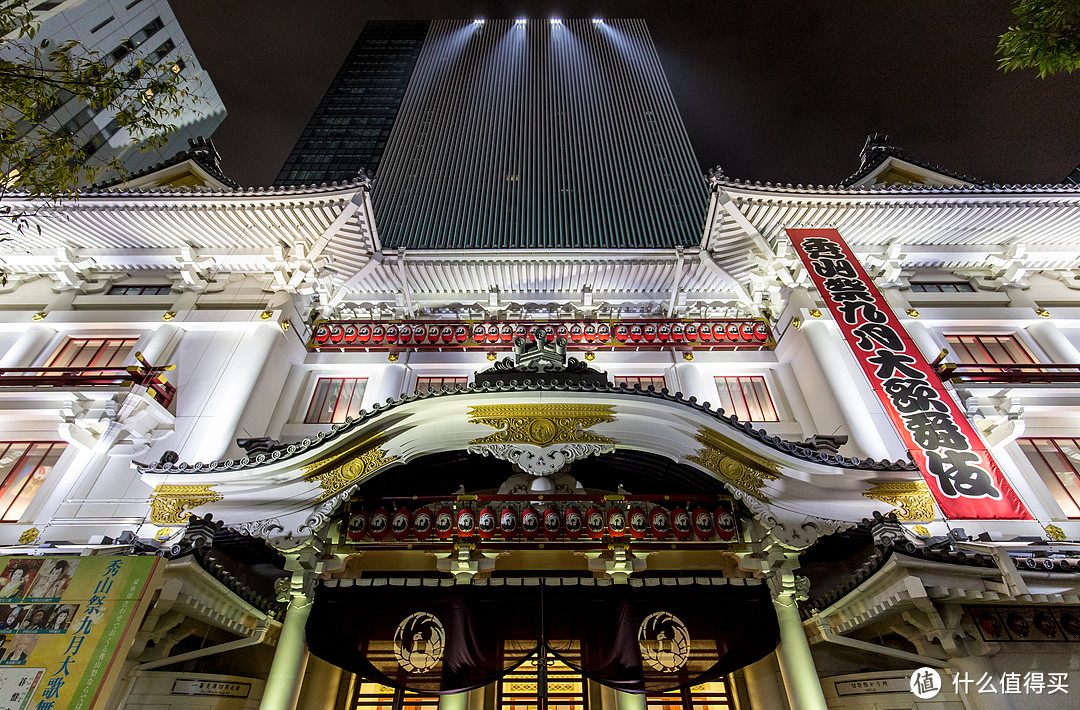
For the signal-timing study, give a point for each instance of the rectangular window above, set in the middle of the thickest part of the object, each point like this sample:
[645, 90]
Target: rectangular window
[335, 399]
[707, 696]
[24, 465]
[523, 688]
[374, 695]
[747, 397]
[101, 24]
[657, 383]
[942, 287]
[989, 349]
[163, 51]
[47, 5]
[92, 352]
[423, 384]
[1058, 463]
[139, 290]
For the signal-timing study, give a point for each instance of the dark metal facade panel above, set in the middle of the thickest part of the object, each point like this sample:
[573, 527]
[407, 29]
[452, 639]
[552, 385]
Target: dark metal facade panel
[539, 135]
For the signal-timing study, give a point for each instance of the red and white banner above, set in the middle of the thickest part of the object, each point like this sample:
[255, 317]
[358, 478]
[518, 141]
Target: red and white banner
[964, 479]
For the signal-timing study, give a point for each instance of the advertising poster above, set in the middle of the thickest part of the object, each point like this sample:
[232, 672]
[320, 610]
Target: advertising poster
[65, 625]
[963, 477]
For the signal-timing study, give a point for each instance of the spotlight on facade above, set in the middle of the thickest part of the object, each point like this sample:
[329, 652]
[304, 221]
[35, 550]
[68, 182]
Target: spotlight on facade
[521, 22]
[597, 21]
[556, 21]
[478, 22]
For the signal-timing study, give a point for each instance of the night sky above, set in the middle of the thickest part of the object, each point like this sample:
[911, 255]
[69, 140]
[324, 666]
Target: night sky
[782, 90]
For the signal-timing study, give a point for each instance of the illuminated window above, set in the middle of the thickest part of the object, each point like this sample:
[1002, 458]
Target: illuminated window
[657, 383]
[335, 399]
[140, 290]
[1058, 464]
[374, 695]
[707, 696]
[525, 687]
[93, 352]
[989, 349]
[942, 287]
[24, 466]
[747, 397]
[423, 384]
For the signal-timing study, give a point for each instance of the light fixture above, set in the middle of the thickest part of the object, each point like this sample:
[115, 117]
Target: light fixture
[556, 21]
[597, 21]
[520, 21]
[478, 22]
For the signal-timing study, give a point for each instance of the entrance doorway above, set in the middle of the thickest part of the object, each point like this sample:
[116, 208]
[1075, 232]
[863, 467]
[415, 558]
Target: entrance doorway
[542, 683]
[372, 696]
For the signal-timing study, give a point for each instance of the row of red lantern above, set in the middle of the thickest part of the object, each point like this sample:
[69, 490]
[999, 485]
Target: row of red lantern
[570, 523]
[639, 332]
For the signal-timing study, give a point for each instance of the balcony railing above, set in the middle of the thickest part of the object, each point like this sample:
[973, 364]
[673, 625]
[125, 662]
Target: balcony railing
[142, 375]
[1013, 374]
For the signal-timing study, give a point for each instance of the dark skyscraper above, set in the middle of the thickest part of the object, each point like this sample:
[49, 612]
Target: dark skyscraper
[521, 134]
[349, 129]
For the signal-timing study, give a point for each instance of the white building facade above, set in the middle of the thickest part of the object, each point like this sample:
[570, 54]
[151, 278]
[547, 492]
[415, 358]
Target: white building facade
[260, 299]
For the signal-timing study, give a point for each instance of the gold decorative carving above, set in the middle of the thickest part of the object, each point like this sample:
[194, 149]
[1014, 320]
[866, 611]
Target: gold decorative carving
[920, 530]
[1052, 531]
[163, 534]
[337, 472]
[912, 497]
[28, 536]
[542, 424]
[171, 505]
[735, 463]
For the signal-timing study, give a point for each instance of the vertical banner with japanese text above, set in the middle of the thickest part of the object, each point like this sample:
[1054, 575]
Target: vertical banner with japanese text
[962, 475]
[65, 625]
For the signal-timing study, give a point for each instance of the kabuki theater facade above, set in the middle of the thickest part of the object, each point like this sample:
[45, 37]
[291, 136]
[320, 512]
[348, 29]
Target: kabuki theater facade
[537, 415]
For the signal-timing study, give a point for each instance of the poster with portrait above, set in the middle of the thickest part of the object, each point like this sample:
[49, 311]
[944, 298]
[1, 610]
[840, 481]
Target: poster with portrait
[65, 625]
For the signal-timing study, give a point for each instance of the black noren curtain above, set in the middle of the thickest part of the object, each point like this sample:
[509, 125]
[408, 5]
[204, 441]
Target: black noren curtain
[651, 637]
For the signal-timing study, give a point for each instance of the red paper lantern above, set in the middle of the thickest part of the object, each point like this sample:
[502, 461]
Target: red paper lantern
[690, 332]
[378, 333]
[379, 524]
[649, 332]
[486, 523]
[363, 334]
[348, 334]
[508, 523]
[358, 525]
[444, 523]
[422, 523]
[702, 521]
[724, 522]
[616, 522]
[705, 332]
[638, 523]
[446, 333]
[507, 333]
[322, 334]
[530, 523]
[733, 331]
[392, 333]
[681, 526]
[589, 332]
[418, 333]
[552, 523]
[660, 523]
[401, 523]
[576, 332]
[479, 333]
[603, 332]
[635, 332]
[461, 333]
[466, 522]
[336, 334]
[622, 332]
[761, 332]
[594, 523]
[746, 331]
[572, 523]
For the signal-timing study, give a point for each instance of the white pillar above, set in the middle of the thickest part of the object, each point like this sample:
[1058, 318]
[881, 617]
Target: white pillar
[796, 662]
[235, 386]
[923, 339]
[846, 393]
[453, 701]
[695, 383]
[162, 344]
[320, 688]
[1053, 342]
[290, 659]
[28, 346]
[762, 685]
[390, 385]
[629, 701]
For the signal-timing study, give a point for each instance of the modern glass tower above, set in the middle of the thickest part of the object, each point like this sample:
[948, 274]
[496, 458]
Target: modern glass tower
[349, 129]
[511, 134]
